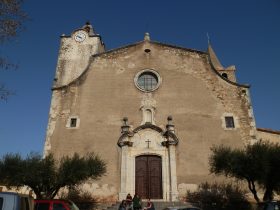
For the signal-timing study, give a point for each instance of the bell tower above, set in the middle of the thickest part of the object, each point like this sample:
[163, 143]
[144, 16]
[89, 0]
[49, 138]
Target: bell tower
[73, 59]
[75, 52]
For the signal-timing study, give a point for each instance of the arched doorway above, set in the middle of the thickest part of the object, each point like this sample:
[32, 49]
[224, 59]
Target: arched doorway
[148, 176]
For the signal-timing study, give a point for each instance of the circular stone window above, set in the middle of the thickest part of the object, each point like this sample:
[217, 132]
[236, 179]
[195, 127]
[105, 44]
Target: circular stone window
[147, 80]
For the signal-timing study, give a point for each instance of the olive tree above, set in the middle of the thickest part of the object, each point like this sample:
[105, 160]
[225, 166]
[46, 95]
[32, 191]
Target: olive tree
[257, 164]
[219, 196]
[46, 176]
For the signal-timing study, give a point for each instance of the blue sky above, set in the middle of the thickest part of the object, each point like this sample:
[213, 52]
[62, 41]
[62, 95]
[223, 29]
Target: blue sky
[243, 33]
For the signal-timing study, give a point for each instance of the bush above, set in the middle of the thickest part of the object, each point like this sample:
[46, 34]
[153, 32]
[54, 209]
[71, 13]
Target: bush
[82, 199]
[219, 197]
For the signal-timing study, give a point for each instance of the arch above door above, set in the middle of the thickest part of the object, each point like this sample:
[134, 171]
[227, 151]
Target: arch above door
[148, 141]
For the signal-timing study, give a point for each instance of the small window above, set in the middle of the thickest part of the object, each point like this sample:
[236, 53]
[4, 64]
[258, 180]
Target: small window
[147, 50]
[149, 116]
[73, 122]
[225, 75]
[229, 122]
[1, 203]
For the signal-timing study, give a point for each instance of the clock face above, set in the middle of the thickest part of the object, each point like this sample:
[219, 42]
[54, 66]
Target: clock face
[80, 36]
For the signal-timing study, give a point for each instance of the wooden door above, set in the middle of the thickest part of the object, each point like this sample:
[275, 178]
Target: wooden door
[148, 176]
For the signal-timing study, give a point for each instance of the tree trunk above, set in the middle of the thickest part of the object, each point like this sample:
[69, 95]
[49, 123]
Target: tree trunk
[54, 193]
[37, 193]
[252, 188]
[36, 190]
[268, 195]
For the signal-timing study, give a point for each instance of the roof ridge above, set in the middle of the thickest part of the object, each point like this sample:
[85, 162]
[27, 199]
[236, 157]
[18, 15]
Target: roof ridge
[269, 130]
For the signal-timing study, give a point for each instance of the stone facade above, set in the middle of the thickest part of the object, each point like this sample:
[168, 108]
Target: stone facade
[269, 135]
[99, 105]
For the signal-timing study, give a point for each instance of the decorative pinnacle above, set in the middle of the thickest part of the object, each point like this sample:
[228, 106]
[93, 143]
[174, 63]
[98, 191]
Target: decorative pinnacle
[125, 119]
[147, 37]
[169, 119]
[125, 127]
[170, 125]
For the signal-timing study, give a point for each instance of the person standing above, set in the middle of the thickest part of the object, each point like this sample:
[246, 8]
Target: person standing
[136, 202]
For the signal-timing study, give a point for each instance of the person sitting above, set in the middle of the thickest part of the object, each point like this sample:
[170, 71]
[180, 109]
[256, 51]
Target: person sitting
[129, 202]
[150, 205]
[122, 206]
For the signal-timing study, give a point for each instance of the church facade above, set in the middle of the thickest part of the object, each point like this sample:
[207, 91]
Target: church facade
[151, 111]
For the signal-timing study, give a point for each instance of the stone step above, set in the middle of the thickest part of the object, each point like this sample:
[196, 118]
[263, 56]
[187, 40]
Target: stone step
[114, 206]
[106, 206]
[159, 205]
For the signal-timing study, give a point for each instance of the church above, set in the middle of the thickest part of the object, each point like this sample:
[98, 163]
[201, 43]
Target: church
[152, 111]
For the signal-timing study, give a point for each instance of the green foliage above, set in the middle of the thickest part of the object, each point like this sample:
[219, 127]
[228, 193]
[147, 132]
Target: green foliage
[219, 197]
[257, 163]
[46, 176]
[11, 164]
[82, 199]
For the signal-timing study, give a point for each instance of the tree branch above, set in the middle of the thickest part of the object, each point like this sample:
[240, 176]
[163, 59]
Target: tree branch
[252, 188]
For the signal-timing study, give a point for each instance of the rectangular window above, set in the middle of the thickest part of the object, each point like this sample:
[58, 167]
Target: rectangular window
[58, 206]
[73, 122]
[42, 206]
[1, 203]
[229, 122]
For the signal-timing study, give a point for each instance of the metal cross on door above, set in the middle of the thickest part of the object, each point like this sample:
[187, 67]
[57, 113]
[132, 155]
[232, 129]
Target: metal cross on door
[148, 176]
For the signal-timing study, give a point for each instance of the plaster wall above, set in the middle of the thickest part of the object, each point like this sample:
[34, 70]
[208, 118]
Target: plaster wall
[190, 91]
[268, 136]
[74, 57]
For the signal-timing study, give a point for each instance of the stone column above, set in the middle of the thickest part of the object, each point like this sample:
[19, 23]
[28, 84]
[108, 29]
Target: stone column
[173, 173]
[125, 161]
[123, 190]
[173, 191]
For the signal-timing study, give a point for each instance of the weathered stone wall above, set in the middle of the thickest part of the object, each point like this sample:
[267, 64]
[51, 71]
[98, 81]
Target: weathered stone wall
[74, 57]
[269, 135]
[190, 91]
